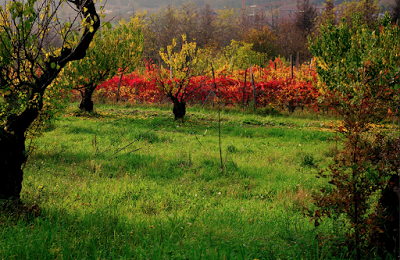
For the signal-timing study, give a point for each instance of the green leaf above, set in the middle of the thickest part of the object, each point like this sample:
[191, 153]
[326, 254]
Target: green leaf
[107, 24]
[53, 65]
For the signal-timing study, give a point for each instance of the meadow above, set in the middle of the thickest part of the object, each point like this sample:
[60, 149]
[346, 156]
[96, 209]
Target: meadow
[129, 182]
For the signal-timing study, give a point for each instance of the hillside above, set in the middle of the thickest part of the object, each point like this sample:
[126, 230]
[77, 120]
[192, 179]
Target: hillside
[124, 8]
[155, 5]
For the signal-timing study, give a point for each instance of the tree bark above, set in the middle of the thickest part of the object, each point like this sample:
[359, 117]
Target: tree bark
[13, 153]
[291, 106]
[179, 109]
[12, 157]
[86, 103]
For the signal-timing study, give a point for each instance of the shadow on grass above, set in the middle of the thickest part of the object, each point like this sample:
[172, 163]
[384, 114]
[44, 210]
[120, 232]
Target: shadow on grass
[104, 234]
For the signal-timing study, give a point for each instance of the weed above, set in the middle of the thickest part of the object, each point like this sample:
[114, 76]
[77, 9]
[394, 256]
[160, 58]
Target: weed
[307, 160]
[149, 137]
[232, 149]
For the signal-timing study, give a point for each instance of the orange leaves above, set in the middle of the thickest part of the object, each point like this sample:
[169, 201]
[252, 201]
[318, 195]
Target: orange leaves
[390, 113]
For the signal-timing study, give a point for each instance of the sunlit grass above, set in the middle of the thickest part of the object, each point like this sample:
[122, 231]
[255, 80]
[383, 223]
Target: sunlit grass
[132, 183]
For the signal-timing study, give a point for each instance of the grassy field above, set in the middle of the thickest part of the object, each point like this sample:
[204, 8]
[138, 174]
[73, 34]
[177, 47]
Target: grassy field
[132, 183]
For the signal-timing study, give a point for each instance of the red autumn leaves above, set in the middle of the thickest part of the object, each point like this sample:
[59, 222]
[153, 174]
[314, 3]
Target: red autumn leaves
[273, 87]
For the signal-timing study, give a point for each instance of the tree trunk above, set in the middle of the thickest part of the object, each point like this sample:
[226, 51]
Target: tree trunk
[179, 109]
[12, 152]
[86, 103]
[12, 157]
[291, 106]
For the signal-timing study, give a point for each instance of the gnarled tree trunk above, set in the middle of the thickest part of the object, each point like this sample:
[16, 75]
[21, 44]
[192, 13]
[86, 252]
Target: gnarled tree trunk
[291, 106]
[13, 153]
[12, 157]
[179, 109]
[86, 103]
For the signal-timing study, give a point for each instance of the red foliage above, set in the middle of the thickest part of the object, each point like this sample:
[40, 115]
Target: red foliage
[271, 90]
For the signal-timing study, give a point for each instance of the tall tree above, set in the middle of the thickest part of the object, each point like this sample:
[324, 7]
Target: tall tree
[28, 66]
[361, 83]
[228, 26]
[329, 14]
[263, 40]
[395, 14]
[188, 20]
[150, 45]
[206, 35]
[367, 9]
[305, 16]
[112, 51]
[169, 27]
[291, 40]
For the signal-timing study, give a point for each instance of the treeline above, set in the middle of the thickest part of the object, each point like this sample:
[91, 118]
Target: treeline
[217, 4]
[272, 36]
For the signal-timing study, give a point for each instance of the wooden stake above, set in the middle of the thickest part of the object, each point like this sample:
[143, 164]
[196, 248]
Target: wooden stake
[170, 68]
[254, 92]
[136, 92]
[119, 85]
[291, 66]
[244, 86]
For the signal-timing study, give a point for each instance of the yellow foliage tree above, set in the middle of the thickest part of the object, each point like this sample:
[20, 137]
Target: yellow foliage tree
[181, 66]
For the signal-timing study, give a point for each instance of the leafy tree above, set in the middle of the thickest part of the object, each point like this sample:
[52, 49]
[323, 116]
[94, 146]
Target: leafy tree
[206, 35]
[228, 27]
[329, 14]
[291, 40]
[237, 55]
[165, 26]
[367, 9]
[234, 56]
[395, 14]
[353, 59]
[142, 22]
[28, 66]
[189, 22]
[110, 51]
[182, 65]
[263, 41]
[305, 16]
[359, 67]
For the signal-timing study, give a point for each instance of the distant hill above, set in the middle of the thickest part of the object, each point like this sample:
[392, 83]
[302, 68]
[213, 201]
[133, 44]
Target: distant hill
[156, 5]
[125, 7]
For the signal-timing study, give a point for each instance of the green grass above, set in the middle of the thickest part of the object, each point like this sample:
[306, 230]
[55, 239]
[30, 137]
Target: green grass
[109, 187]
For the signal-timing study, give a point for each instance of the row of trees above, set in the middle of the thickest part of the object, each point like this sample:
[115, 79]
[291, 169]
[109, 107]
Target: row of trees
[206, 32]
[269, 34]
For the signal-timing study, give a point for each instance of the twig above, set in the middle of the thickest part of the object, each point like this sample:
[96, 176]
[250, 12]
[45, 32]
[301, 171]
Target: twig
[135, 140]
